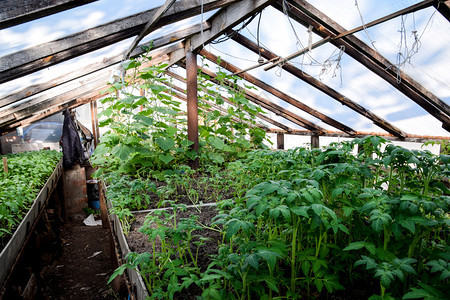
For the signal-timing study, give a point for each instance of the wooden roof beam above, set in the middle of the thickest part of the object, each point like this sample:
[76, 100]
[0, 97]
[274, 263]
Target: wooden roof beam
[319, 85]
[39, 57]
[444, 8]
[89, 69]
[44, 102]
[13, 13]
[407, 10]
[277, 93]
[149, 27]
[307, 14]
[225, 18]
[259, 115]
[409, 138]
[269, 105]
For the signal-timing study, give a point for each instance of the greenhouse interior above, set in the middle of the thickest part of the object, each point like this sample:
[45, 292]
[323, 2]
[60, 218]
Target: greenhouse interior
[224, 149]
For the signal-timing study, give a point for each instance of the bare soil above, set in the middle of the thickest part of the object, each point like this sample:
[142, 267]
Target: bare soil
[83, 267]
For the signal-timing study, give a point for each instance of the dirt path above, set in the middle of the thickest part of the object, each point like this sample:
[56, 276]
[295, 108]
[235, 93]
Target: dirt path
[84, 267]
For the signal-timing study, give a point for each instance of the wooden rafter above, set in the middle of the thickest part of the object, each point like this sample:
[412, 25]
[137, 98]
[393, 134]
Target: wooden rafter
[410, 9]
[224, 19]
[277, 93]
[14, 13]
[306, 14]
[268, 105]
[319, 85]
[159, 55]
[444, 8]
[149, 27]
[43, 102]
[409, 138]
[36, 58]
[259, 115]
[84, 99]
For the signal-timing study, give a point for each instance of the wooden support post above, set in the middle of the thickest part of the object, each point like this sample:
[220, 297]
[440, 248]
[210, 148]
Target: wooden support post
[96, 121]
[315, 141]
[103, 208]
[280, 140]
[5, 164]
[93, 117]
[192, 102]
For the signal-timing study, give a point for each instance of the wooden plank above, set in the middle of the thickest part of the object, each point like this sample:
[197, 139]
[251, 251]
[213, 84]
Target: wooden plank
[36, 58]
[43, 102]
[224, 19]
[5, 164]
[280, 140]
[105, 63]
[444, 8]
[409, 138]
[85, 81]
[315, 141]
[14, 13]
[320, 86]
[149, 27]
[276, 92]
[285, 113]
[48, 112]
[305, 13]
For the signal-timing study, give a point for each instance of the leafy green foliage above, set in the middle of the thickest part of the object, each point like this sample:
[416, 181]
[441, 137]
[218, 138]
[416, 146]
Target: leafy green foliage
[27, 174]
[298, 223]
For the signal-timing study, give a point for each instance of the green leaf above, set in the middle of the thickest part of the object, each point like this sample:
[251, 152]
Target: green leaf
[252, 260]
[156, 89]
[408, 224]
[355, 246]
[101, 149]
[143, 119]
[301, 211]
[166, 158]
[216, 157]
[122, 151]
[216, 142]
[119, 271]
[165, 143]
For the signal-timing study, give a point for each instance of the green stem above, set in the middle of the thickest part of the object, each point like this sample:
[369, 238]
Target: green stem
[293, 254]
[386, 237]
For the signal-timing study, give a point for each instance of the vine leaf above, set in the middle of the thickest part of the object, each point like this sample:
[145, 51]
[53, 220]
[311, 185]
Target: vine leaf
[165, 143]
[166, 158]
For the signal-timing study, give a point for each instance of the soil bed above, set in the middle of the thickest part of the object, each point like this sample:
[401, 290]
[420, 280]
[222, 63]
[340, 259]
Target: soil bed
[82, 270]
[139, 242]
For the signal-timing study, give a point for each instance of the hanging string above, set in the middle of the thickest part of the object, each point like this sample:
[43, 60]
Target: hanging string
[404, 54]
[260, 59]
[365, 28]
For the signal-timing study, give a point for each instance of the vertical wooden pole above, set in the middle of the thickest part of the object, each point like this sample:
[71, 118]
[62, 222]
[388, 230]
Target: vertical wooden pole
[94, 130]
[103, 208]
[96, 123]
[5, 164]
[315, 141]
[280, 140]
[192, 102]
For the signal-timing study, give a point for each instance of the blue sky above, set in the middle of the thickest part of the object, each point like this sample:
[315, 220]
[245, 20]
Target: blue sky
[429, 66]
